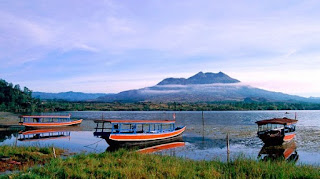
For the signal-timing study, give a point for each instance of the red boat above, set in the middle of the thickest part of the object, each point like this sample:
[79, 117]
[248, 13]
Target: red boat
[276, 131]
[137, 132]
[47, 121]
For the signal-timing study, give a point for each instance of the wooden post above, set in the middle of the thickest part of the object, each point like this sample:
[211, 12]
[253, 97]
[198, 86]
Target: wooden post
[54, 152]
[202, 126]
[228, 149]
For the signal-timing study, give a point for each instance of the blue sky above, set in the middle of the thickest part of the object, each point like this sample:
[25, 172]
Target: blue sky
[111, 46]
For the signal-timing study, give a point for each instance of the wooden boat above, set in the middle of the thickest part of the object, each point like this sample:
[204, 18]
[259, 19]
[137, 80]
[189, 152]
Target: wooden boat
[43, 134]
[276, 131]
[126, 133]
[48, 121]
[286, 152]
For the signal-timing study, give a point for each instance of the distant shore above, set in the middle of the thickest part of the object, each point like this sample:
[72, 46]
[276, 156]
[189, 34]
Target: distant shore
[8, 118]
[53, 106]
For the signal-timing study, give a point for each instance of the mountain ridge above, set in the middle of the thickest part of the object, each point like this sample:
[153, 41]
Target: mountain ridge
[68, 96]
[200, 78]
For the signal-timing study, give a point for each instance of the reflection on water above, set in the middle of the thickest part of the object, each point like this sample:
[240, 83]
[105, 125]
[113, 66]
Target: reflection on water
[43, 134]
[71, 141]
[157, 146]
[286, 152]
[203, 140]
[7, 135]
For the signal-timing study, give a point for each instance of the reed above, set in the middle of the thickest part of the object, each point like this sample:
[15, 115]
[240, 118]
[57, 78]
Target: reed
[128, 164]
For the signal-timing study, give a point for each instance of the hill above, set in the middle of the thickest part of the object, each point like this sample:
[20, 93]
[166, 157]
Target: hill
[67, 96]
[202, 87]
[13, 99]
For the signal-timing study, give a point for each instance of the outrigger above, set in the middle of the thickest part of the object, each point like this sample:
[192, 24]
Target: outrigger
[126, 133]
[47, 121]
[276, 131]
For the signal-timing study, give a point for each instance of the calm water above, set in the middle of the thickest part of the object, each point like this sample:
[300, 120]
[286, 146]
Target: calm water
[202, 142]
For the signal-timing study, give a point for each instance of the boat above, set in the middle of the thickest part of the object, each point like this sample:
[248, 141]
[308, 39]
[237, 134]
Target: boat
[126, 133]
[276, 131]
[48, 121]
[43, 134]
[285, 152]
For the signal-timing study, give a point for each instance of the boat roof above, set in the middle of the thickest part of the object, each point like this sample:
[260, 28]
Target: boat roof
[283, 121]
[118, 121]
[60, 117]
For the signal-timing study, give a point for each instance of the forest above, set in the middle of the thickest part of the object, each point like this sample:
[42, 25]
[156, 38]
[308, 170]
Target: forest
[14, 99]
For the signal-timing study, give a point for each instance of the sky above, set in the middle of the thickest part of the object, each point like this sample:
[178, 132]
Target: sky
[111, 46]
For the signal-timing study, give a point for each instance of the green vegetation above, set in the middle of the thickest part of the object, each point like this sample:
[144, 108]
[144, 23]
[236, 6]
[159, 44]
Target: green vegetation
[125, 164]
[23, 158]
[13, 99]
[148, 106]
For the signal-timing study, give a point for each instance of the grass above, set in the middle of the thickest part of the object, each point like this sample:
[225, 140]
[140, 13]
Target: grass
[22, 158]
[126, 164]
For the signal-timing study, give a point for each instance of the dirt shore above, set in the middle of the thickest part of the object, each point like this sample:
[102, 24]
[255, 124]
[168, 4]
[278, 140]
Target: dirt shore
[7, 118]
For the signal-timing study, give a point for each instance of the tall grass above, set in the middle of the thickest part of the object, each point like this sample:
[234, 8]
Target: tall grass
[27, 153]
[25, 156]
[126, 164]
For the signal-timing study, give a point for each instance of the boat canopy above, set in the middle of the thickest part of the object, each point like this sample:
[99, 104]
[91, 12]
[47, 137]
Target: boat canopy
[283, 121]
[118, 121]
[60, 117]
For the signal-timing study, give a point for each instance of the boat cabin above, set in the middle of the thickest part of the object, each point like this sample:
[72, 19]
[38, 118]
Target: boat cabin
[285, 125]
[45, 119]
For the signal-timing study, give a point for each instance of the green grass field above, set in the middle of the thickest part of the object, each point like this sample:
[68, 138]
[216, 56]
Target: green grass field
[128, 164]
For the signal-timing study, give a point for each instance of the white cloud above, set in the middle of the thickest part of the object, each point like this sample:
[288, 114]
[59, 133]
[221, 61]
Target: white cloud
[255, 43]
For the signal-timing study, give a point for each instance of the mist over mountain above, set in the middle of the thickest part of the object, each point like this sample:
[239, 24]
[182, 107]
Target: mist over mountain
[68, 96]
[202, 87]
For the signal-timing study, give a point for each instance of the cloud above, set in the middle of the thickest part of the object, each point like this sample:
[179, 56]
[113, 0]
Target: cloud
[67, 39]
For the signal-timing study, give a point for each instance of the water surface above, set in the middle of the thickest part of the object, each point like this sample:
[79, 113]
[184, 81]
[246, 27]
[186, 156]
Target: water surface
[205, 139]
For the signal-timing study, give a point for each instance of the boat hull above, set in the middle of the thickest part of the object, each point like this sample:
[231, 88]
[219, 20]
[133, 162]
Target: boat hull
[50, 124]
[129, 140]
[276, 139]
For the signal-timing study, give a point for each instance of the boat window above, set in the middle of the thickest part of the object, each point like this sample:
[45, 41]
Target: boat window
[290, 128]
[270, 127]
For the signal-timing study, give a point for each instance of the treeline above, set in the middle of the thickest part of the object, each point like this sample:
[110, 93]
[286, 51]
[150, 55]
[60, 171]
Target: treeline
[13, 99]
[148, 106]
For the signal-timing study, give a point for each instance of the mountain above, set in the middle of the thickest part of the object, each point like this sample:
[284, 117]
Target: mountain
[200, 78]
[68, 96]
[202, 87]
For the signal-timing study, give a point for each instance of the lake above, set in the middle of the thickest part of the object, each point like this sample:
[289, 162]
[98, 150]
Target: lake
[203, 139]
